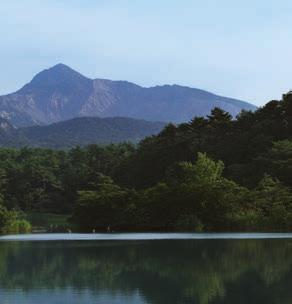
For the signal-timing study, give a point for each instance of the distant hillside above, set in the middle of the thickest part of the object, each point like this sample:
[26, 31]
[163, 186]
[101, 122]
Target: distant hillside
[60, 93]
[78, 131]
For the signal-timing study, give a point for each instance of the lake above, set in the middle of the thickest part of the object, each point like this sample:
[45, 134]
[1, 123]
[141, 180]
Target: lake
[146, 268]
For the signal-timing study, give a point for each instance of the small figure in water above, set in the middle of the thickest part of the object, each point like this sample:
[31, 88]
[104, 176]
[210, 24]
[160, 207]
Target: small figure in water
[108, 228]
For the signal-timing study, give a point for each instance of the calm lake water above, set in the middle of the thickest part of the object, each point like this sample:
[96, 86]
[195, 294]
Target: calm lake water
[146, 268]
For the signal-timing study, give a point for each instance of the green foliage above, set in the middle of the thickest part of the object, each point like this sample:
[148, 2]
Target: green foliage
[275, 202]
[189, 222]
[108, 206]
[212, 173]
[12, 223]
[49, 221]
[205, 170]
[195, 197]
[80, 131]
[17, 226]
[277, 161]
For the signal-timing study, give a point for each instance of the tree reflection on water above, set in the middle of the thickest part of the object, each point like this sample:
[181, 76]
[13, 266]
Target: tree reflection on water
[162, 271]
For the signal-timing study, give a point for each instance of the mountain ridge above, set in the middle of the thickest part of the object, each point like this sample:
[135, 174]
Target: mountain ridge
[61, 93]
[79, 131]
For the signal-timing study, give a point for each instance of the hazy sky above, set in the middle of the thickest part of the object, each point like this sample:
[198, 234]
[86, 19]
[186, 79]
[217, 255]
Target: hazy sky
[241, 49]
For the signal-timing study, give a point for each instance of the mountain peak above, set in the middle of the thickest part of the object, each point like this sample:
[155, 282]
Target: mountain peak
[58, 77]
[58, 70]
[61, 67]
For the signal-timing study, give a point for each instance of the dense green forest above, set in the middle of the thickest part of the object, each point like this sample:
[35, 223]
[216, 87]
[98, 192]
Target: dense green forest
[210, 174]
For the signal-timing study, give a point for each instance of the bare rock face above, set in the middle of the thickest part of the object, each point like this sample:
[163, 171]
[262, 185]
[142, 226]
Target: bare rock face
[7, 131]
[60, 93]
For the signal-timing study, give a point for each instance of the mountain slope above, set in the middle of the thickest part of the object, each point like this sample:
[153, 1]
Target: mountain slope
[60, 93]
[78, 131]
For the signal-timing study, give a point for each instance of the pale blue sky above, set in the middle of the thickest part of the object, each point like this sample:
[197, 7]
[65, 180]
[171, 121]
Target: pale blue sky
[241, 49]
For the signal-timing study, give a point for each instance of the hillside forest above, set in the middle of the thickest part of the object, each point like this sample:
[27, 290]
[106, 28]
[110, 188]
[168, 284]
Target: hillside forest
[212, 173]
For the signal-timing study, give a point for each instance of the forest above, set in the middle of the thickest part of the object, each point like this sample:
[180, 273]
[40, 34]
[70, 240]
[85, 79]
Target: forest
[212, 173]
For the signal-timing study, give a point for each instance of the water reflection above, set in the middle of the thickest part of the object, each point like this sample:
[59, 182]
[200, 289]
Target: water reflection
[158, 271]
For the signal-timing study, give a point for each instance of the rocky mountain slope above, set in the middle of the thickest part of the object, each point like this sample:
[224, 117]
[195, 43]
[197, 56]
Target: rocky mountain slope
[60, 93]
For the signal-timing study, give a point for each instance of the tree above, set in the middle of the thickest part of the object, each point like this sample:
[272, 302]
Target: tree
[277, 161]
[205, 196]
[219, 117]
[109, 205]
[274, 200]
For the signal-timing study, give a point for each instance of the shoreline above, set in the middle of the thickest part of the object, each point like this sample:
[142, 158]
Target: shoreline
[136, 236]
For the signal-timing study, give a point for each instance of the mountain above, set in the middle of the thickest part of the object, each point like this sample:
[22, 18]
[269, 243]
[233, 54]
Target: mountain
[78, 131]
[60, 93]
[7, 130]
